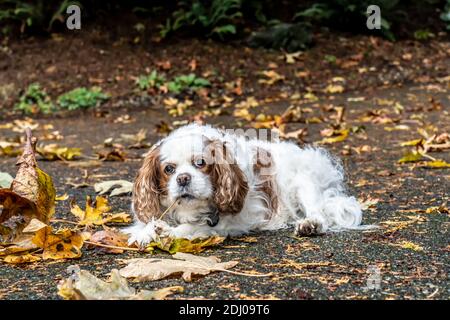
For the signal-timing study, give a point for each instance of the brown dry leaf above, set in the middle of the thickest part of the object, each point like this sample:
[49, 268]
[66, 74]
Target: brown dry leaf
[271, 77]
[183, 263]
[19, 259]
[115, 154]
[184, 245]
[53, 152]
[118, 187]
[31, 194]
[84, 286]
[110, 237]
[163, 128]
[63, 244]
[137, 139]
[98, 215]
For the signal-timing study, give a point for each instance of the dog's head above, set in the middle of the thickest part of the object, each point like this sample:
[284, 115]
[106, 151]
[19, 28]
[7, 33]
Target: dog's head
[197, 172]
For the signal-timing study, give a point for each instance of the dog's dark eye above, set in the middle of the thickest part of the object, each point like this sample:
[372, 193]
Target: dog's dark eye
[199, 163]
[169, 169]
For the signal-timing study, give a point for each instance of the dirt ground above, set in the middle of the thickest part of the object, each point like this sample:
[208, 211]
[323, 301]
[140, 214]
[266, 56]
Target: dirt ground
[391, 91]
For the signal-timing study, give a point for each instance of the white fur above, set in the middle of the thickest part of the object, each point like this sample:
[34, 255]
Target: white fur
[309, 187]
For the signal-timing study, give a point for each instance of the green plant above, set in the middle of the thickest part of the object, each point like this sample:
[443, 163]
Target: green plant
[82, 98]
[346, 14]
[215, 18]
[445, 15]
[39, 14]
[423, 34]
[185, 82]
[152, 80]
[35, 100]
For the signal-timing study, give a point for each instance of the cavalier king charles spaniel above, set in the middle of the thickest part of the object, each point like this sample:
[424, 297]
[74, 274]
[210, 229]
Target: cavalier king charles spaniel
[201, 181]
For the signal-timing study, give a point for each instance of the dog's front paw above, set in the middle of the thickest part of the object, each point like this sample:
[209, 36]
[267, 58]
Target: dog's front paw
[142, 234]
[309, 227]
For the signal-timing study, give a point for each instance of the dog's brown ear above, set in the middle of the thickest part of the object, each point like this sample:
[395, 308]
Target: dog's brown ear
[146, 189]
[229, 182]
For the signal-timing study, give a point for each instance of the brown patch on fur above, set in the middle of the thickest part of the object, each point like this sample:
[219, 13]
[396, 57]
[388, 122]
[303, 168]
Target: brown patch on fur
[149, 185]
[229, 182]
[263, 168]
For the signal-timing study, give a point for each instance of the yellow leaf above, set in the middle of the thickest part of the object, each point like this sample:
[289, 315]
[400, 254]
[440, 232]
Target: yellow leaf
[413, 143]
[63, 197]
[99, 214]
[31, 194]
[54, 152]
[26, 258]
[64, 244]
[272, 77]
[436, 164]
[184, 245]
[339, 136]
[244, 114]
[411, 157]
[411, 245]
[334, 88]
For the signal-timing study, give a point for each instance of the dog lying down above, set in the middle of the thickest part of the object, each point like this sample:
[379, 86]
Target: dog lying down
[213, 182]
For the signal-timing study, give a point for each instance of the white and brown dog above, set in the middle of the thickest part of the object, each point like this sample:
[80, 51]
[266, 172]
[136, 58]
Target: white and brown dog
[221, 183]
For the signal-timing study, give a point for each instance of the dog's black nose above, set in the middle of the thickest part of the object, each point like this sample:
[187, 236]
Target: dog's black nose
[183, 179]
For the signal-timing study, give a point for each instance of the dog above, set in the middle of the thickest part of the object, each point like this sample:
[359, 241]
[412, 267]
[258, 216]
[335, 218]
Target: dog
[200, 181]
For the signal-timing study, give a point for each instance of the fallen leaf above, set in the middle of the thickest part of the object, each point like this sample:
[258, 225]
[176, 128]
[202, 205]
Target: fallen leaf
[118, 187]
[271, 77]
[115, 154]
[184, 245]
[63, 244]
[31, 194]
[437, 164]
[98, 215]
[82, 285]
[183, 263]
[413, 156]
[337, 136]
[53, 152]
[110, 237]
[411, 245]
[19, 259]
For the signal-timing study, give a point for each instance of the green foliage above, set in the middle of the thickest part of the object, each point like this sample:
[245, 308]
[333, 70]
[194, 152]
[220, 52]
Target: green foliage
[212, 18]
[35, 100]
[445, 15]
[82, 98]
[423, 34]
[346, 14]
[152, 80]
[39, 14]
[288, 36]
[185, 82]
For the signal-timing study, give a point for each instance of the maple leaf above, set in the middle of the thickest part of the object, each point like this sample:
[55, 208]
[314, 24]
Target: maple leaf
[82, 285]
[31, 194]
[98, 215]
[63, 244]
[182, 263]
